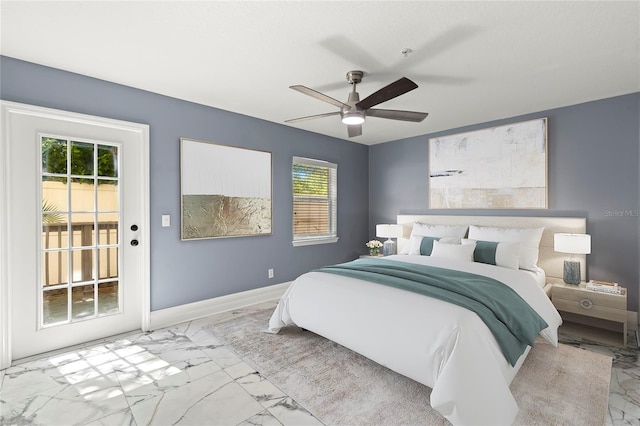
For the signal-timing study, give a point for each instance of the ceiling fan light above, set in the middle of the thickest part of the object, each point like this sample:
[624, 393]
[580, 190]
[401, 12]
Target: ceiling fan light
[353, 117]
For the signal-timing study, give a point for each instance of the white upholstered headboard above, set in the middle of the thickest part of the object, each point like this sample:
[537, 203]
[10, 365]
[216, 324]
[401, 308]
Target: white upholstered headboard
[549, 260]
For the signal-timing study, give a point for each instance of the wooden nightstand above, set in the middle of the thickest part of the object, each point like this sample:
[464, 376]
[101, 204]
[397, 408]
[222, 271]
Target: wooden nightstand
[368, 256]
[591, 314]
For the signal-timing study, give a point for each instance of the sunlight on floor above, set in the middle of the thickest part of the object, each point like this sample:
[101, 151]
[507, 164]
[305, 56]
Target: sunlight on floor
[124, 365]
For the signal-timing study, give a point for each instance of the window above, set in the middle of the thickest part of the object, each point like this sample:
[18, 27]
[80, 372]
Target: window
[315, 206]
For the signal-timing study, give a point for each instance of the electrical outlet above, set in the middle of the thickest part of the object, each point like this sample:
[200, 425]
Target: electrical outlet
[166, 220]
[270, 273]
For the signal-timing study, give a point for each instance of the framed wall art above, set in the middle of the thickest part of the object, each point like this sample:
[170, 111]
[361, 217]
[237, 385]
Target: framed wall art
[502, 167]
[225, 190]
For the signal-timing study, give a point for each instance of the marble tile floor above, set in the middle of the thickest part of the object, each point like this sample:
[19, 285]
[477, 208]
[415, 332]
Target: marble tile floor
[624, 390]
[177, 375]
[184, 375]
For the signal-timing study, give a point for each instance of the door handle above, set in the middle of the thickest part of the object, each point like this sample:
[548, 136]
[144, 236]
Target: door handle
[134, 228]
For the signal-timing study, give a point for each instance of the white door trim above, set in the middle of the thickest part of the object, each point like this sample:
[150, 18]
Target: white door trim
[142, 130]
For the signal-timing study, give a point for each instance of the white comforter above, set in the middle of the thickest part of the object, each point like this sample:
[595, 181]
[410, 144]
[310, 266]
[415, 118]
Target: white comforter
[440, 345]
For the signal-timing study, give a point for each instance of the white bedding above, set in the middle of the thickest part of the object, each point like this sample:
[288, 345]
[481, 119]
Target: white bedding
[440, 345]
[538, 275]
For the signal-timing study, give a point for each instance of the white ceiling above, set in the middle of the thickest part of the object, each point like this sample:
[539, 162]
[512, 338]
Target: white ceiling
[473, 61]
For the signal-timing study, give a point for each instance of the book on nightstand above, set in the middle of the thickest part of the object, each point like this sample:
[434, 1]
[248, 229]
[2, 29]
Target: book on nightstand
[604, 287]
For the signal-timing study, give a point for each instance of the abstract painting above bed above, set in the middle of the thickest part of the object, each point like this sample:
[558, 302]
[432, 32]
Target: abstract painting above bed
[503, 167]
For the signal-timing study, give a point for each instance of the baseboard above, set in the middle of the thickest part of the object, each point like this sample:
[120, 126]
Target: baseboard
[191, 311]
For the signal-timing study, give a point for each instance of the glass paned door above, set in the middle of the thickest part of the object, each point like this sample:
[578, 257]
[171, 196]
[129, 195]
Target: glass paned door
[77, 188]
[80, 200]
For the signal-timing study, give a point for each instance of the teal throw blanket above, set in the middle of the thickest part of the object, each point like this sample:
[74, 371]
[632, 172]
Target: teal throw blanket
[511, 320]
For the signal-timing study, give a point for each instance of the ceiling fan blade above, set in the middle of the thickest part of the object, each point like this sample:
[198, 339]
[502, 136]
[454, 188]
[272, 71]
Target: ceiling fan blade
[390, 91]
[354, 130]
[442, 79]
[311, 117]
[350, 52]
[320, 96]
[397, 115]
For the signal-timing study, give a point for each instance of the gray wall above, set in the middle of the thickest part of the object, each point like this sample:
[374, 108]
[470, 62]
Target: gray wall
[189, 271]
[593, 173]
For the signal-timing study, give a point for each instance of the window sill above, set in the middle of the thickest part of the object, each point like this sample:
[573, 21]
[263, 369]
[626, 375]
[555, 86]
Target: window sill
[315, 241]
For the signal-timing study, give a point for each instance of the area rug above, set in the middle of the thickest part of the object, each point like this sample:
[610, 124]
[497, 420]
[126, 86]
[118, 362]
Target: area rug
[555, 386]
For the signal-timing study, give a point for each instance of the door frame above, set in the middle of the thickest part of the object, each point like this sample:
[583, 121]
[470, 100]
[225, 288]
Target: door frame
[142, 133]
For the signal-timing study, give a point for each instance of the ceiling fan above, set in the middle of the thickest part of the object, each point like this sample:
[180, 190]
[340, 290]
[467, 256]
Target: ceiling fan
[355, 111]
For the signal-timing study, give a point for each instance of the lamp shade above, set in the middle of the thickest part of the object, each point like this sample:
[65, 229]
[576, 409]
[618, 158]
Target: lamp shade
[572, 243]
[389, 231]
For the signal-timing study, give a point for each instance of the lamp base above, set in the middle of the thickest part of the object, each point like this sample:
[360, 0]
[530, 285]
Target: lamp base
[571, 272]
[389, 247]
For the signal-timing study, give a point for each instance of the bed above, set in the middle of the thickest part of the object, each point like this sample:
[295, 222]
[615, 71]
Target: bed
[442, 345]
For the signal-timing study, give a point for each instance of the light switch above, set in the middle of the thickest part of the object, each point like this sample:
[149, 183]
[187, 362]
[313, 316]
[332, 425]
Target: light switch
[166, 220]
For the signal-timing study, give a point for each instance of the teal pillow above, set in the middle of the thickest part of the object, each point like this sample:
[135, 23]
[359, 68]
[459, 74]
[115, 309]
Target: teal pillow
[485, 252]
[426, 245]
[496, 253]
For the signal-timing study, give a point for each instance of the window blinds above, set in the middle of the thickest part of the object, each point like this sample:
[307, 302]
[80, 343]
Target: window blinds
[314, 199]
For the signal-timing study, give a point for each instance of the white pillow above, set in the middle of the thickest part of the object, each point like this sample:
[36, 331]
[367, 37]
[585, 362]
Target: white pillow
[529, 239]
[506, 255]
[453, 231]
[453, 251]
[414, 246]
[425, 230]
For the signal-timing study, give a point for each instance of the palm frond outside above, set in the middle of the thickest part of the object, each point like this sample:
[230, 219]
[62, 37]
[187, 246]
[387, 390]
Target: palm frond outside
[51, 217]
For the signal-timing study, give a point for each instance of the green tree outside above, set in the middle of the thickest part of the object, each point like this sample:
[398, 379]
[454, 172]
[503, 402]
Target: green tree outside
[310, 180]
[54, 159]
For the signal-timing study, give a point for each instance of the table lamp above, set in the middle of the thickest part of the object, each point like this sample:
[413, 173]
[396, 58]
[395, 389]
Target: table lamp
[572, 244]
[389, 231]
